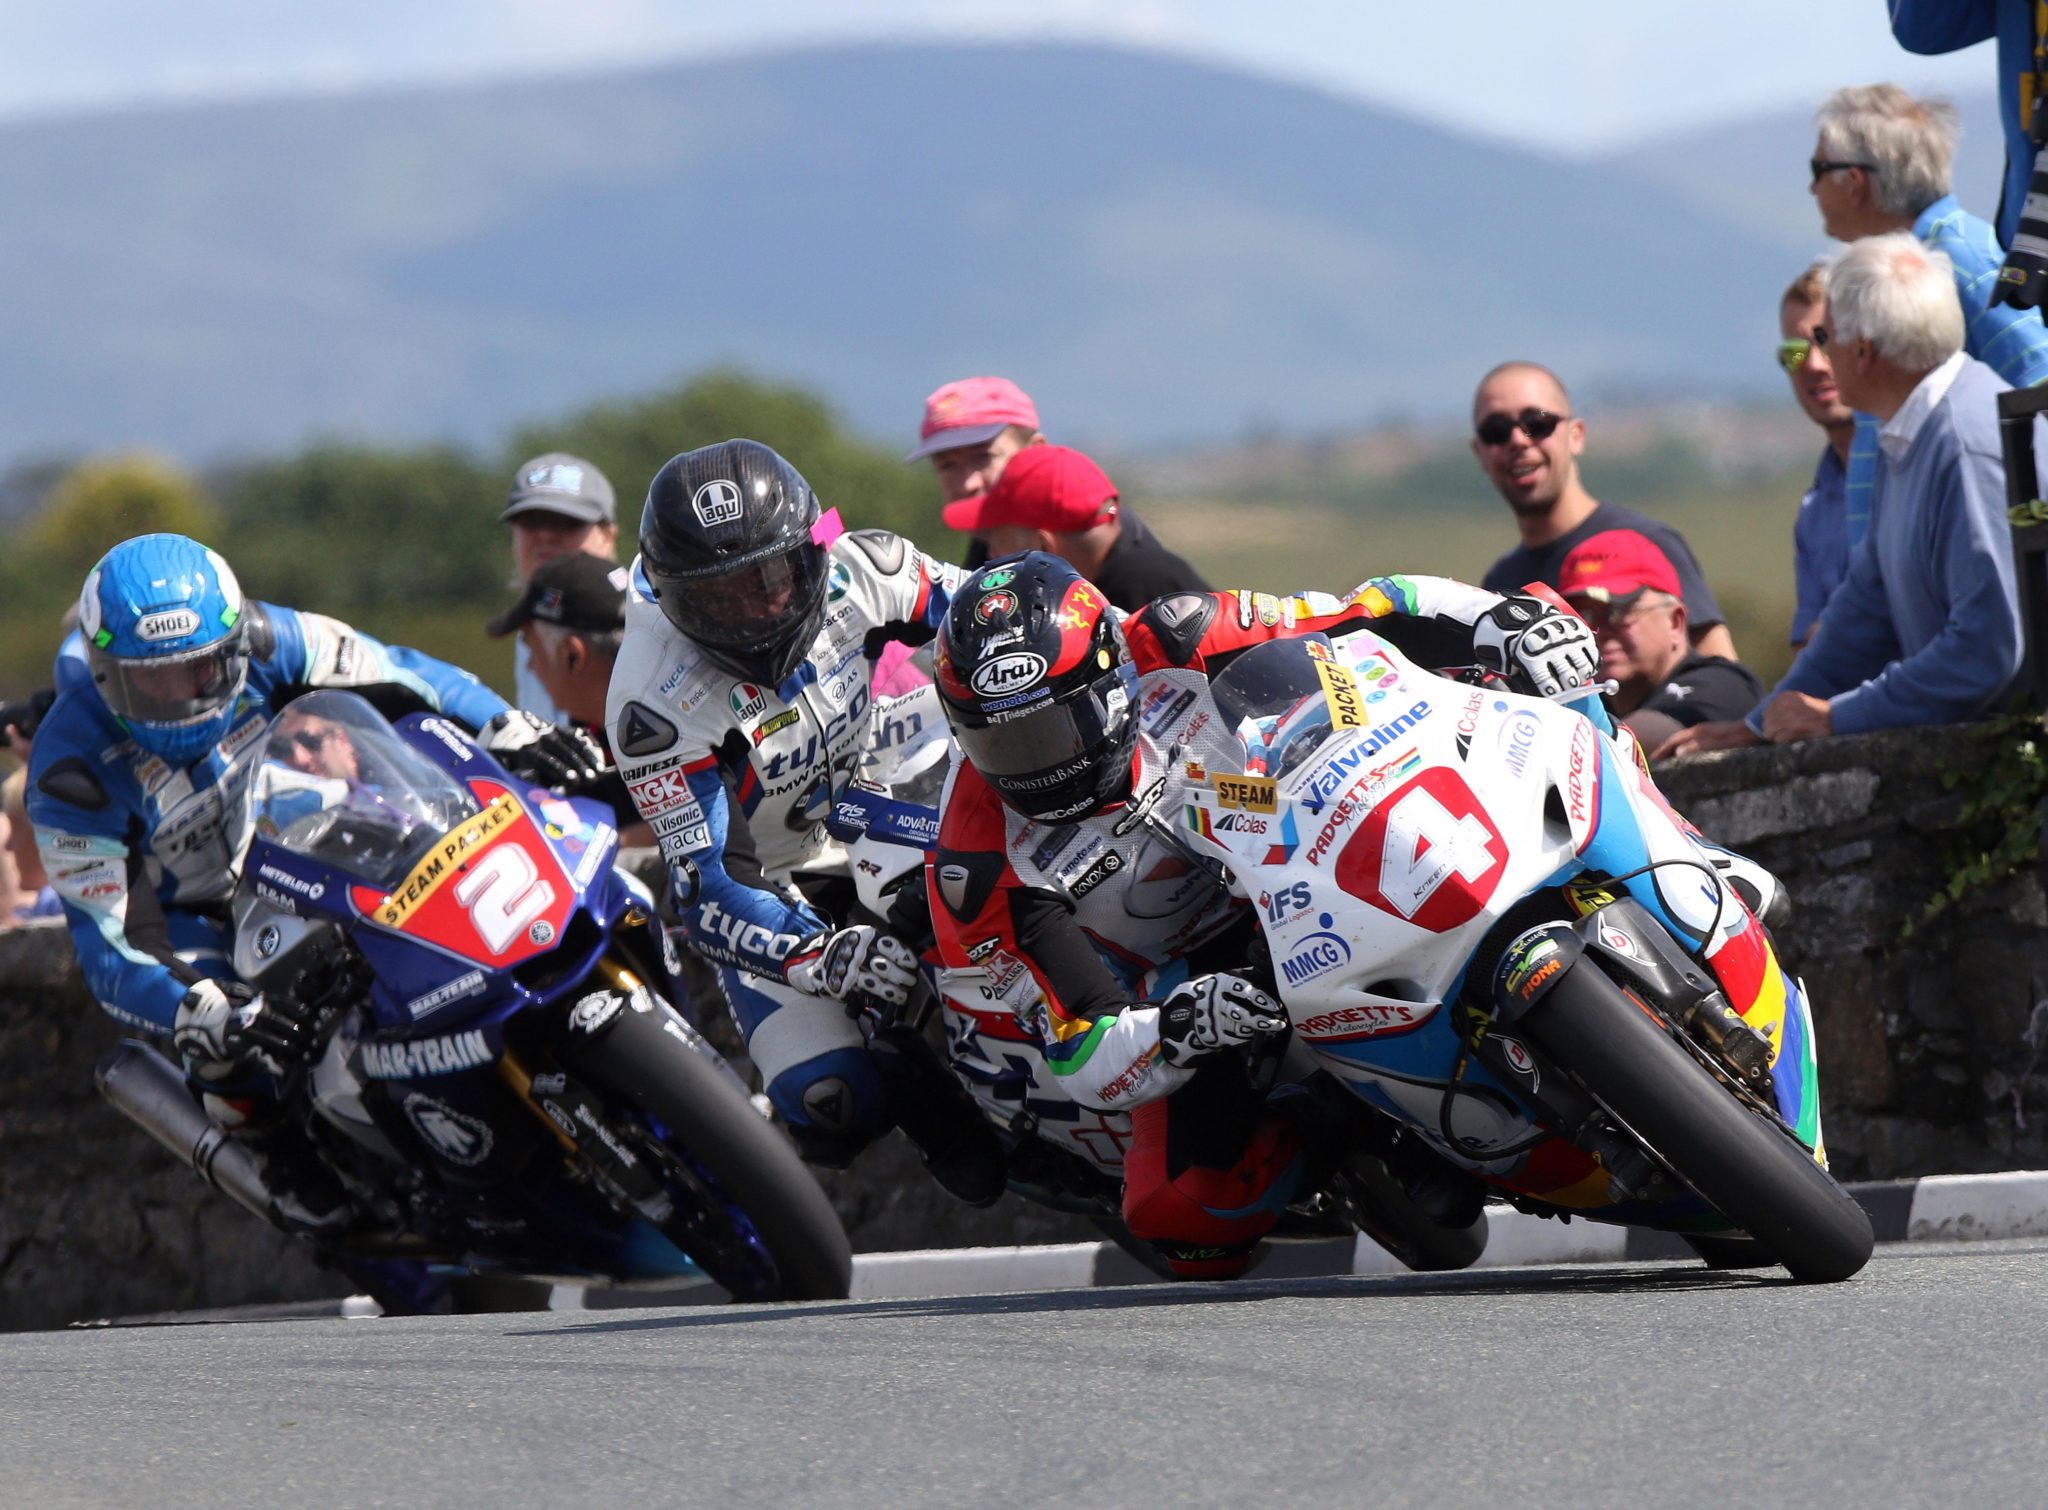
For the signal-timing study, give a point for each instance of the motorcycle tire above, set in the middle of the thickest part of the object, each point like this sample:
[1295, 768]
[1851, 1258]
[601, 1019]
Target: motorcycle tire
[1761, 1178]
[715, 1128]
[1729, 1251]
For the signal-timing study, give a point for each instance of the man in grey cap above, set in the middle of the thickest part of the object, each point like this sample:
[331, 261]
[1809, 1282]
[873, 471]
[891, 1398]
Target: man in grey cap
[560, 505]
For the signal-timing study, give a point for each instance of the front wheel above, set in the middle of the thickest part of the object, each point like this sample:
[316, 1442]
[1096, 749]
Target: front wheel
[1754, 1172]
[748, 1212]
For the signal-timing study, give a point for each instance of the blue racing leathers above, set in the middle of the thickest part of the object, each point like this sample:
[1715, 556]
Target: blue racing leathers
[697, 745]
[144, 856]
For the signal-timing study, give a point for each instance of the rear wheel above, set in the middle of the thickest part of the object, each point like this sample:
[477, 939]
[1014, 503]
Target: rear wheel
[748, 1212]
[1754, 1171]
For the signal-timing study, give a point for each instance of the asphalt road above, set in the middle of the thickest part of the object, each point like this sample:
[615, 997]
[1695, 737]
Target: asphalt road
[1920, 1383]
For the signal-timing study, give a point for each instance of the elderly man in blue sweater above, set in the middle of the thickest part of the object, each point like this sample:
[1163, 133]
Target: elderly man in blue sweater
[1926, 630]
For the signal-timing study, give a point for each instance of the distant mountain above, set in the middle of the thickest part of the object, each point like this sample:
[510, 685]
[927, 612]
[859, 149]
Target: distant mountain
[1162, 251]
[1753, 173]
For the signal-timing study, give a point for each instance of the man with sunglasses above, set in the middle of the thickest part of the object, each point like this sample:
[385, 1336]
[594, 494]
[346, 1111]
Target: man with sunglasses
[1528, 443]
[1926, 628]
[1820, 533]
[1882, 162]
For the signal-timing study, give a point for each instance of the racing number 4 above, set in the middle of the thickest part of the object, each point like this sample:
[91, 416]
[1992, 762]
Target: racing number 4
[1430, 854]
[504, 893]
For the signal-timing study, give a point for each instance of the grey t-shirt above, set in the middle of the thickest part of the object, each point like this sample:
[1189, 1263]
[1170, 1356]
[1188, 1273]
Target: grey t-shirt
[1521, 566]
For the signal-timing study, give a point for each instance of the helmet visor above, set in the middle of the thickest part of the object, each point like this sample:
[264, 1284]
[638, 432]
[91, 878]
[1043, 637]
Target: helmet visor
[173, 689]
[748, 606]
[1048, 740]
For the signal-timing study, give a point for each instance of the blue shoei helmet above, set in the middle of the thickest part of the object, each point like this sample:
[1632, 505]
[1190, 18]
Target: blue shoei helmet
[162, 620]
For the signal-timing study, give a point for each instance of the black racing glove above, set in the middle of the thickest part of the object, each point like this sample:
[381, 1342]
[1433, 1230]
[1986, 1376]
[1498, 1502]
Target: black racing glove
[222, 1025]
[1212, 1013]
[1539, 648]
[545, 754]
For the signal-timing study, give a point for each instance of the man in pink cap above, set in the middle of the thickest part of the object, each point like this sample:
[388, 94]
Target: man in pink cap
[1626, 588]
[971, 428]
[1053, 498]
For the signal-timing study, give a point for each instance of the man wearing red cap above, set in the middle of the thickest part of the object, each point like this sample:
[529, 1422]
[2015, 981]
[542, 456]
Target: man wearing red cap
[1629, 592]
[1054, 499]
[971, 429]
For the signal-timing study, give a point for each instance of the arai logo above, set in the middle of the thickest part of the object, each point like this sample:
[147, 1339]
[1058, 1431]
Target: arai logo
[171, 624]
[1008, 673]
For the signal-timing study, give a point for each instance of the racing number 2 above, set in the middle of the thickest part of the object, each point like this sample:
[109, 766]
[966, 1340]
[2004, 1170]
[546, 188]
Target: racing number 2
[504, 893]
[1429, 854]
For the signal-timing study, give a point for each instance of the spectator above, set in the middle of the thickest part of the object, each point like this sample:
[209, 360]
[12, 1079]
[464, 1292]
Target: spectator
[571, 621]
[971, 430]
[1882, 163]
[25, 891]
[1627, 590]
[1926, 629]
[1528, 444]
[1052, 498]
[1820, 535]
[1929, 27]
[560, 505]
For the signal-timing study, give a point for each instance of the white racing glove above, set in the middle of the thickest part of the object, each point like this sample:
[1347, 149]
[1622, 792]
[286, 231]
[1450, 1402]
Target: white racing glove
[223, 1025]
[1538, 648]
[857, 965]
[1214, 1012]
[546, 754]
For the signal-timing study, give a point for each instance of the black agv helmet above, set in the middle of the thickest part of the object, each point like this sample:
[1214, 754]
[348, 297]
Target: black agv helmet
[1039, 687]
[729, 544]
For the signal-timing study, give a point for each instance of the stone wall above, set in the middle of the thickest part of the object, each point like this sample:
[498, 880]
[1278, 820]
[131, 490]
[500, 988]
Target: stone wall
[1934, 1054]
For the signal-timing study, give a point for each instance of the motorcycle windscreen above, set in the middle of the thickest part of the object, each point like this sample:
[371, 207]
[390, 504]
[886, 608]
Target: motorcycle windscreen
[336, 783]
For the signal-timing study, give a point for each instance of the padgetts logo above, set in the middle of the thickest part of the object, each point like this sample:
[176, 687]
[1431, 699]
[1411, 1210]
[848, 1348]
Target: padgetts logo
[717, 502]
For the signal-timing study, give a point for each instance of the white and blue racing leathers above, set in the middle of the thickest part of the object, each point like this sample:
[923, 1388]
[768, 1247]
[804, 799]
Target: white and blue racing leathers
[697, 744]
[144, 856]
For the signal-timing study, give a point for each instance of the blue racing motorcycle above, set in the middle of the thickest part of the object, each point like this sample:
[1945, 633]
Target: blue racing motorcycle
[500, 1079]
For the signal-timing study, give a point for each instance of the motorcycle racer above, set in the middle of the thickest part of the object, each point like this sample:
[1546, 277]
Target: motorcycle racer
[739, 709]
[1052, 876]
[141, 786]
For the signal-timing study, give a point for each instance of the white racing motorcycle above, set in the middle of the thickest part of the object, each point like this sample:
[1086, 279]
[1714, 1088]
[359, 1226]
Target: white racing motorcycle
[1485, 921]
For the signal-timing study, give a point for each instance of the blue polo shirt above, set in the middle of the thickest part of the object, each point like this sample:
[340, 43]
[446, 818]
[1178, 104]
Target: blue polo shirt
[2011, 342]
[1820, 543]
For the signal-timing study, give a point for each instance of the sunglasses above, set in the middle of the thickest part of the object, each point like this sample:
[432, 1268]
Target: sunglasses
[1537, 424]
[1792, 354]
[1822, 167]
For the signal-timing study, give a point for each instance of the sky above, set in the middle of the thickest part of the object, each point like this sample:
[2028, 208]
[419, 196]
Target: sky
[1569, 76]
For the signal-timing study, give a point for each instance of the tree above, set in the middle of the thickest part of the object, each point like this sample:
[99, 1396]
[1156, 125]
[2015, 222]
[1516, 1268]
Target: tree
[99, 503]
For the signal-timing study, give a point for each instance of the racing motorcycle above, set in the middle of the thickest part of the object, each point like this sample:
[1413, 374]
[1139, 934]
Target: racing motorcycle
[1061, 1154]
[500, 1079]
[1485, 921]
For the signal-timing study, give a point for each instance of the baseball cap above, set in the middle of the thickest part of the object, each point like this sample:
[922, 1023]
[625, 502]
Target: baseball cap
[1614, 566]
[1052, 488]
[558, 483]
[972, 412]
[580, 592]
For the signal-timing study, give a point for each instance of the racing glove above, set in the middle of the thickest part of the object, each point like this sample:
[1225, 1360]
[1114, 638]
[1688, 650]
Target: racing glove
[223, 1025]
[1539, 648]
[1215, 1012]
[546, 754]
[857, 965]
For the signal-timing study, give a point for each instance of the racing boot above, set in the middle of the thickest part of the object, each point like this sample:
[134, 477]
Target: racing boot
[1761, 892]
[305, 1196]
[956, 1142]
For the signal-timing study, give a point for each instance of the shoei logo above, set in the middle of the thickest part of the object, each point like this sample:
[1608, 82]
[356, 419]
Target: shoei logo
[172, 624]
[1008, 673]
[717, 502]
